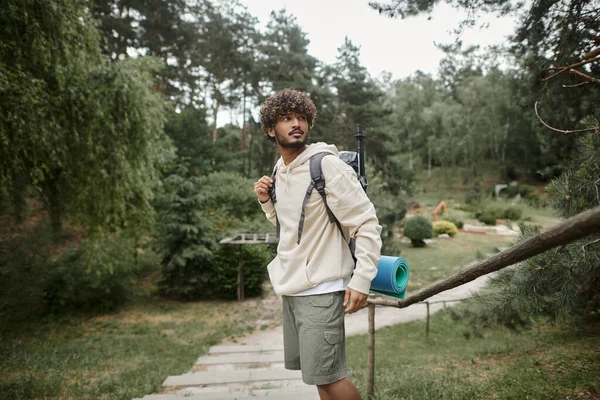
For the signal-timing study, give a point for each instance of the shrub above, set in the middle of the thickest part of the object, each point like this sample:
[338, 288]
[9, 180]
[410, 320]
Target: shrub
[417, 229]
[512, 213]
[40, 278]
[228, 258]
[475, 194]
[526, 190]
[99, 274]
[459, 223]
[488, 218]
[510, 191]
[464, 207]
[536, 201]
[195, 213]
[440, 227]
[489, 213]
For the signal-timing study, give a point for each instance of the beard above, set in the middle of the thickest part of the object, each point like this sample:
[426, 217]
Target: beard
[290, 142]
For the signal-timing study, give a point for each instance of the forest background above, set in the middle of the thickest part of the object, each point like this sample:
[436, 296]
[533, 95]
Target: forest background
[116, 182]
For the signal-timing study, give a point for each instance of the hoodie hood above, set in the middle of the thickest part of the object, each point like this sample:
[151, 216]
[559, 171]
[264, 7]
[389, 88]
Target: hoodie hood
[303, 157]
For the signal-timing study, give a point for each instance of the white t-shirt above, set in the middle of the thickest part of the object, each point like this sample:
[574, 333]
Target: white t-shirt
[337, 285]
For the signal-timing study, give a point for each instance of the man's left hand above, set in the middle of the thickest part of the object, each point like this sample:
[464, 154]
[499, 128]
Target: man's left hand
[354, 300]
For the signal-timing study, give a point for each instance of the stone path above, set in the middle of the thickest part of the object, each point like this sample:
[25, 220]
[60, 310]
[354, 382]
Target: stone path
[253, 367]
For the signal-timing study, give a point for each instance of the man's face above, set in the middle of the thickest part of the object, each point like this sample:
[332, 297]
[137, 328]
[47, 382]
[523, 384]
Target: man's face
[291, 131]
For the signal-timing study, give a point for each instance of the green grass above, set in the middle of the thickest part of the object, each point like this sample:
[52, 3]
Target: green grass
[544, 363]
[120, 356]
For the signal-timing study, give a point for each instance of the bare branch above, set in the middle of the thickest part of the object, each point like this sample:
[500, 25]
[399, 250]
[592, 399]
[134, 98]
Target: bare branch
[577, 64]
[585, 77]
[592, 54]
[560, 70]
[589, 244]
[561, 130]
[574, 228]
[575, 85]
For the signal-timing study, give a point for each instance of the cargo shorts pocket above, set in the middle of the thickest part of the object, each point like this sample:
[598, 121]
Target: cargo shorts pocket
[330, 350]
[321, 308]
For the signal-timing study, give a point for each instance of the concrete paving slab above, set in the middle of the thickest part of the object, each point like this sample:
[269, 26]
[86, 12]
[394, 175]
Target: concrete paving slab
[241, 358]
[234, 367]
[309, 393]
[290, 385]
[242, 348]
[220, 377]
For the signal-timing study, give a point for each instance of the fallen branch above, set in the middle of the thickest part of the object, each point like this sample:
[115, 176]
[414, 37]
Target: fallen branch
[574, 228]
[561, 130]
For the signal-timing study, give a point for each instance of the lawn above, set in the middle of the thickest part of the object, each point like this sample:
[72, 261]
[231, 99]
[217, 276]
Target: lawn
[116, 356]
[548, 362]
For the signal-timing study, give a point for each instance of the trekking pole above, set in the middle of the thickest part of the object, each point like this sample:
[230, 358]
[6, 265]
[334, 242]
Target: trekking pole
[360, 150]
[362, 177]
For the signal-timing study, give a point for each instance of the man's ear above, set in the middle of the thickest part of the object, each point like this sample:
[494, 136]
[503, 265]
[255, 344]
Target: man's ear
[271, 132]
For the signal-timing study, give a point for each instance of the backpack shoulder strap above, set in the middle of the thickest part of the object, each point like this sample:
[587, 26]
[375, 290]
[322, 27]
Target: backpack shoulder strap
[317, 181]
[272, 193]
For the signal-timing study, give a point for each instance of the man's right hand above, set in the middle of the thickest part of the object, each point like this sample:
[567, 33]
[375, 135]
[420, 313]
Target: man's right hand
[261, 188]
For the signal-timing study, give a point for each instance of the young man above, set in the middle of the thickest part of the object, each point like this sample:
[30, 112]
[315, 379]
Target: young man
[315, 272]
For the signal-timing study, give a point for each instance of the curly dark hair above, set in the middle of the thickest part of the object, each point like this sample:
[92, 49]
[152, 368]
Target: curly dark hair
[284, 102]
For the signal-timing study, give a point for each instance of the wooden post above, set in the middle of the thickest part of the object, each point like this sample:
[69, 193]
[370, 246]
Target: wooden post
[240, 278]
[427, 324]
[371, 349]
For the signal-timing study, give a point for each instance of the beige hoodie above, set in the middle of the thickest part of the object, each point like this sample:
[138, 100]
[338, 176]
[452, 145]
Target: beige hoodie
[322, 254]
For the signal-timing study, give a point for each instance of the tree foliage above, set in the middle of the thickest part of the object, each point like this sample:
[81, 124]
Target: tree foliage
[195, 213]
[549, 34]
[86, 134]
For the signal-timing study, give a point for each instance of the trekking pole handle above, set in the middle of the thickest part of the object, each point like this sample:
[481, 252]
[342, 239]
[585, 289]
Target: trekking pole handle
[360, 150]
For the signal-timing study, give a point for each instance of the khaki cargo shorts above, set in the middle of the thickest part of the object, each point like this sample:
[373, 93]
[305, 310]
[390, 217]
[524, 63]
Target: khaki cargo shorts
[313, 337]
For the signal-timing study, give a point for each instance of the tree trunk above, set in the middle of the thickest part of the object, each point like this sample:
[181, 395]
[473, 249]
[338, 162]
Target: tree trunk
[250, 140]
[243, 134]
[429, 157]
[215, 133]
[505, 139]
[54, 208]
[18, 191]
[410, 154]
